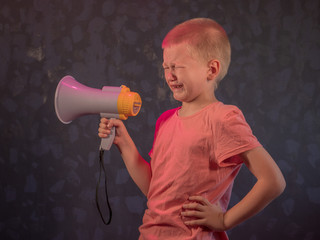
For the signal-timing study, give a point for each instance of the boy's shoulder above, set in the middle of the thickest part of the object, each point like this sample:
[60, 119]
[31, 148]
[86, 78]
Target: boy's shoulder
[223, 111]
[165, 115]
[226, 107]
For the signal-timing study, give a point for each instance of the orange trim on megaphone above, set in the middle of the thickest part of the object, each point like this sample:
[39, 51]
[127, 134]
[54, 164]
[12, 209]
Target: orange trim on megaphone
[129, 103]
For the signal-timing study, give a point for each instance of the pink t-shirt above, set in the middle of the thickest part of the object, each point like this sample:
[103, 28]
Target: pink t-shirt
[194, 155]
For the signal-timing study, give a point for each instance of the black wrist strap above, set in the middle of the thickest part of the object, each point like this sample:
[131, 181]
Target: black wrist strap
[102, 168]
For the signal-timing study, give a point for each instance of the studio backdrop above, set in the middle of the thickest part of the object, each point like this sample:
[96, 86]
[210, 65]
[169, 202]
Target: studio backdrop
[49, 170]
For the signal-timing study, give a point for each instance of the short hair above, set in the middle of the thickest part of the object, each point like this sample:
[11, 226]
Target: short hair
[205, 38]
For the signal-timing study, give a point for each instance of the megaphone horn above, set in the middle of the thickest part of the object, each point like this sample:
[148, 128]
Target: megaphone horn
[73, 99]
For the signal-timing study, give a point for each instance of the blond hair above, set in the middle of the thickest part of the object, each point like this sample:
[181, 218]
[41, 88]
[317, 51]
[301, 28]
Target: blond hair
[205, 39]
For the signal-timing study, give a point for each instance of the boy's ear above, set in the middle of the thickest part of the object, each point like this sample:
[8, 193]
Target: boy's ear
[214, 69]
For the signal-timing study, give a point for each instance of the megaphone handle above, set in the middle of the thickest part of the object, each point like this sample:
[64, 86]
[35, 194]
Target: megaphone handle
[106, 143]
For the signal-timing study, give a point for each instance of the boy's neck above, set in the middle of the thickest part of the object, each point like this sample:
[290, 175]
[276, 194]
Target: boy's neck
[188, 109]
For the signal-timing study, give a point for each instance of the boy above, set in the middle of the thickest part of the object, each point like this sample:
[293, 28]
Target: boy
[199, 147]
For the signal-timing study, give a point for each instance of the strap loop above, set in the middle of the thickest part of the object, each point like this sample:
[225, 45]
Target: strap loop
[102, 168]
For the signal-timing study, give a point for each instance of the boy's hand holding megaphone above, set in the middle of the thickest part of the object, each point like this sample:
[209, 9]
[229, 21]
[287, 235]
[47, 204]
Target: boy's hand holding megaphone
[107, 126]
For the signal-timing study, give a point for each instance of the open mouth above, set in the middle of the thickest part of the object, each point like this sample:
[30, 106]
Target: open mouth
[178, 86]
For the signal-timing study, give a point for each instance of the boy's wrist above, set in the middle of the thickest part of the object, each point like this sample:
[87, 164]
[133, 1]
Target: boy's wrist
[225, 223]
[222, 220]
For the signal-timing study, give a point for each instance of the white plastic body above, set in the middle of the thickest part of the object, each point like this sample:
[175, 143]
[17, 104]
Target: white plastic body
[73, 100]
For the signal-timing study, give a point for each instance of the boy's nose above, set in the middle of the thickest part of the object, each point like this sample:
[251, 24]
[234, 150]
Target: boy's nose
[170, 76]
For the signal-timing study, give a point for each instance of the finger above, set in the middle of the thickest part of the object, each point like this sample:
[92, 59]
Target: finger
[196, 214]
[102, 126]
[104, 120]
[199, 199]
[196, 222]
[107, 125]
[103, 135]
[113, 122]
[195, 206]
[104, 130]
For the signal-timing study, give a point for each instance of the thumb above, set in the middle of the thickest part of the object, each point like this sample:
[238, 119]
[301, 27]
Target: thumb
[113, 122]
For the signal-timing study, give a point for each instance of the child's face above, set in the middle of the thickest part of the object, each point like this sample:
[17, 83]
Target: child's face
[186, 76]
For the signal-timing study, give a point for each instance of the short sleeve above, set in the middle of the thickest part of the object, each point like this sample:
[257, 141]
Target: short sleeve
[233, 137]
[163, 117]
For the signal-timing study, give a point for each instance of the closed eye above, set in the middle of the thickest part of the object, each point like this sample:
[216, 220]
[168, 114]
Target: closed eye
[172, 67]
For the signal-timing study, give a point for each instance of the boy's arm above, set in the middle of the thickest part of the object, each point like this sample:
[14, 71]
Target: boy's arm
[138, 168]
[270, 184]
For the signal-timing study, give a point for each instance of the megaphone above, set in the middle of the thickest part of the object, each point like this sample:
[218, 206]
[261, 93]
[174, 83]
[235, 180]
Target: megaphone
[73, 100]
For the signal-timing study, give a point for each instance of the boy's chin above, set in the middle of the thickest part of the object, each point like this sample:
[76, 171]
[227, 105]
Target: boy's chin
[178, 98]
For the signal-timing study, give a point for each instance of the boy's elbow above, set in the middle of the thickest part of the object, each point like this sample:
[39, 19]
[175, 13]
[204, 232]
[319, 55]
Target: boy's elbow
[279, 186]
[283, 185]
[274, 187]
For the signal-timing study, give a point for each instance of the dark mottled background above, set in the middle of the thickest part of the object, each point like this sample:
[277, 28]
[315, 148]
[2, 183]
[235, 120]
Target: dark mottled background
[49, 170]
